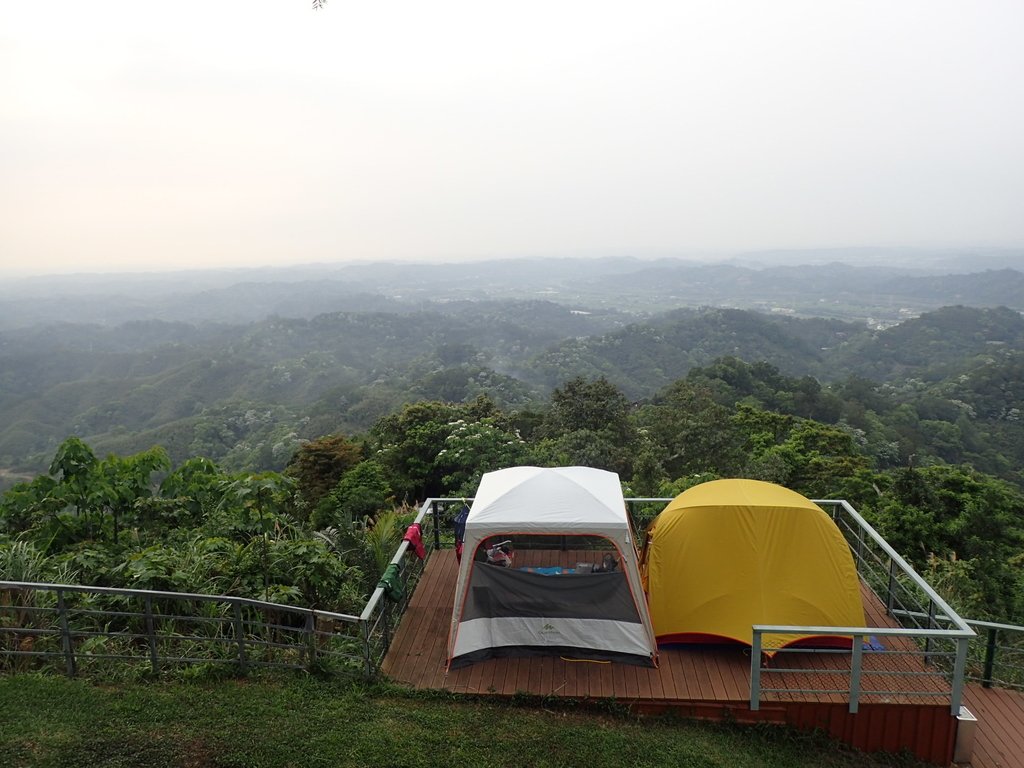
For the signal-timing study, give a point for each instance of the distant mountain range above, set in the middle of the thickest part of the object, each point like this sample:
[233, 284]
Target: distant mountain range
[639, 288]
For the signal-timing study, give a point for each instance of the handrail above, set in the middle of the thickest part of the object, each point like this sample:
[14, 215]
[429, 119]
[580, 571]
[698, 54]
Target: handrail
[993, 625]
[969, 622]
[378, 592]
[988, 673]
[894, 555]
[152, 593]
[784, 629]
[856, 671]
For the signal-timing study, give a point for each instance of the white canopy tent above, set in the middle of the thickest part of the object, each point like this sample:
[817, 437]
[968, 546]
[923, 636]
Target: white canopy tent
[505, 611]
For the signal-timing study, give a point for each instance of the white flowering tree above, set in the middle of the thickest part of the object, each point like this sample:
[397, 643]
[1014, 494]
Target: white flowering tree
[475, 447]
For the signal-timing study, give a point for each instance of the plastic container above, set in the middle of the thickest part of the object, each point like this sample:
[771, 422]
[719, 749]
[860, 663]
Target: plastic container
[966, 725]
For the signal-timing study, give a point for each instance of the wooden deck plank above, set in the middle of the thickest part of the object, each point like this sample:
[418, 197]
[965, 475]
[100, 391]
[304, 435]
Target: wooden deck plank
[684, 675]
[525, 678]
[508, 680]
[644, 680]
[473, 685]
[619, 687]
[722, 689]
[999, 741]
[604, 672]
[739, 689]
[703, 676]
[544, 676]
[663, 677]
[572, 688]
[656, 679]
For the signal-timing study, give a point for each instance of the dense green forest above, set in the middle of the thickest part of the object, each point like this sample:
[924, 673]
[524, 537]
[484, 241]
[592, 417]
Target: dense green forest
[941, 387]
[278, 457]
[320, 532]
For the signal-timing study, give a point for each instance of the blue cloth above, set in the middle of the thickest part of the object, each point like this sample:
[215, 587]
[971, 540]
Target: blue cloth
[460, 523]
[551, 571]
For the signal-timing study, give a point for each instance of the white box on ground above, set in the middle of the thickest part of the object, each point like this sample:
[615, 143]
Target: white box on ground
[966, 725]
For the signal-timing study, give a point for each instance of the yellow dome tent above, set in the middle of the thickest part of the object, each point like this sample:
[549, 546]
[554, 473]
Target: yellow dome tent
[728, 554]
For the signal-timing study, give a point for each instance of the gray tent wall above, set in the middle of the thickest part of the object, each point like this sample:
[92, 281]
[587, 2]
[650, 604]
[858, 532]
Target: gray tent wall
[502, 611]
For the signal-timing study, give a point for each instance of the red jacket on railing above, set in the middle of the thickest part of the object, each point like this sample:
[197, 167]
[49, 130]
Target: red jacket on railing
[414, 535]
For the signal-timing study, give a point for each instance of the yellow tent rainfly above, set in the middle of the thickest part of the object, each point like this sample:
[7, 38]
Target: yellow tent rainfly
[728, 554]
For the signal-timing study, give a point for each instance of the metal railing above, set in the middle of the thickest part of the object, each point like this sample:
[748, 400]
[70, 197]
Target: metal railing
[74, 627]
[930, 660]
[1002, 662]
[870, 670]
[996, 654]
[379, 618]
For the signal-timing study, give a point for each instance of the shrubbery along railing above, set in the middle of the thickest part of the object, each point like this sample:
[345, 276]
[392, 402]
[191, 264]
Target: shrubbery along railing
[75, 626]
[379, 618]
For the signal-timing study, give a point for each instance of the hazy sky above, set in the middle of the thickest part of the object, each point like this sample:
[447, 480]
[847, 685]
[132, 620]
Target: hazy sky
[141, 135]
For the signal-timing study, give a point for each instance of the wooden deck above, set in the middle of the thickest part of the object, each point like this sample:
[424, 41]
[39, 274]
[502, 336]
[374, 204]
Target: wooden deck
[696, 681]
[999, 742]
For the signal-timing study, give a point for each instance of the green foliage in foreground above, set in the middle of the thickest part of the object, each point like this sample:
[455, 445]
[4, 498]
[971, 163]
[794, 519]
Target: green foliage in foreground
[52, 721]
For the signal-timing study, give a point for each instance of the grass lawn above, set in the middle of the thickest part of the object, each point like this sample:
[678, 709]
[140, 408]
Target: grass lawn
[52, 721]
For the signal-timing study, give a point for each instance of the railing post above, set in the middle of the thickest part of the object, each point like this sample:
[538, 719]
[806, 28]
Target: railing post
[890, 598]
[386, 620]
[931, 625]
[154, 658]
[855, 672]
[957, 688]
[990, 658]
[437, 525]
[243, 663]
[755, 672]
[367, 653]
[65, 634]
[310, 641]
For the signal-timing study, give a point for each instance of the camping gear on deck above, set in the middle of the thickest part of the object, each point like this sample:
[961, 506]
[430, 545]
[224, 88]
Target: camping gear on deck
[502, 611]
[728, 554]
[500, 554]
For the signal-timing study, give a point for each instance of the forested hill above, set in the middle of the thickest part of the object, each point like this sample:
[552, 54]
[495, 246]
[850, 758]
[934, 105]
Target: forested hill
[647, 356]
[247, 394]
